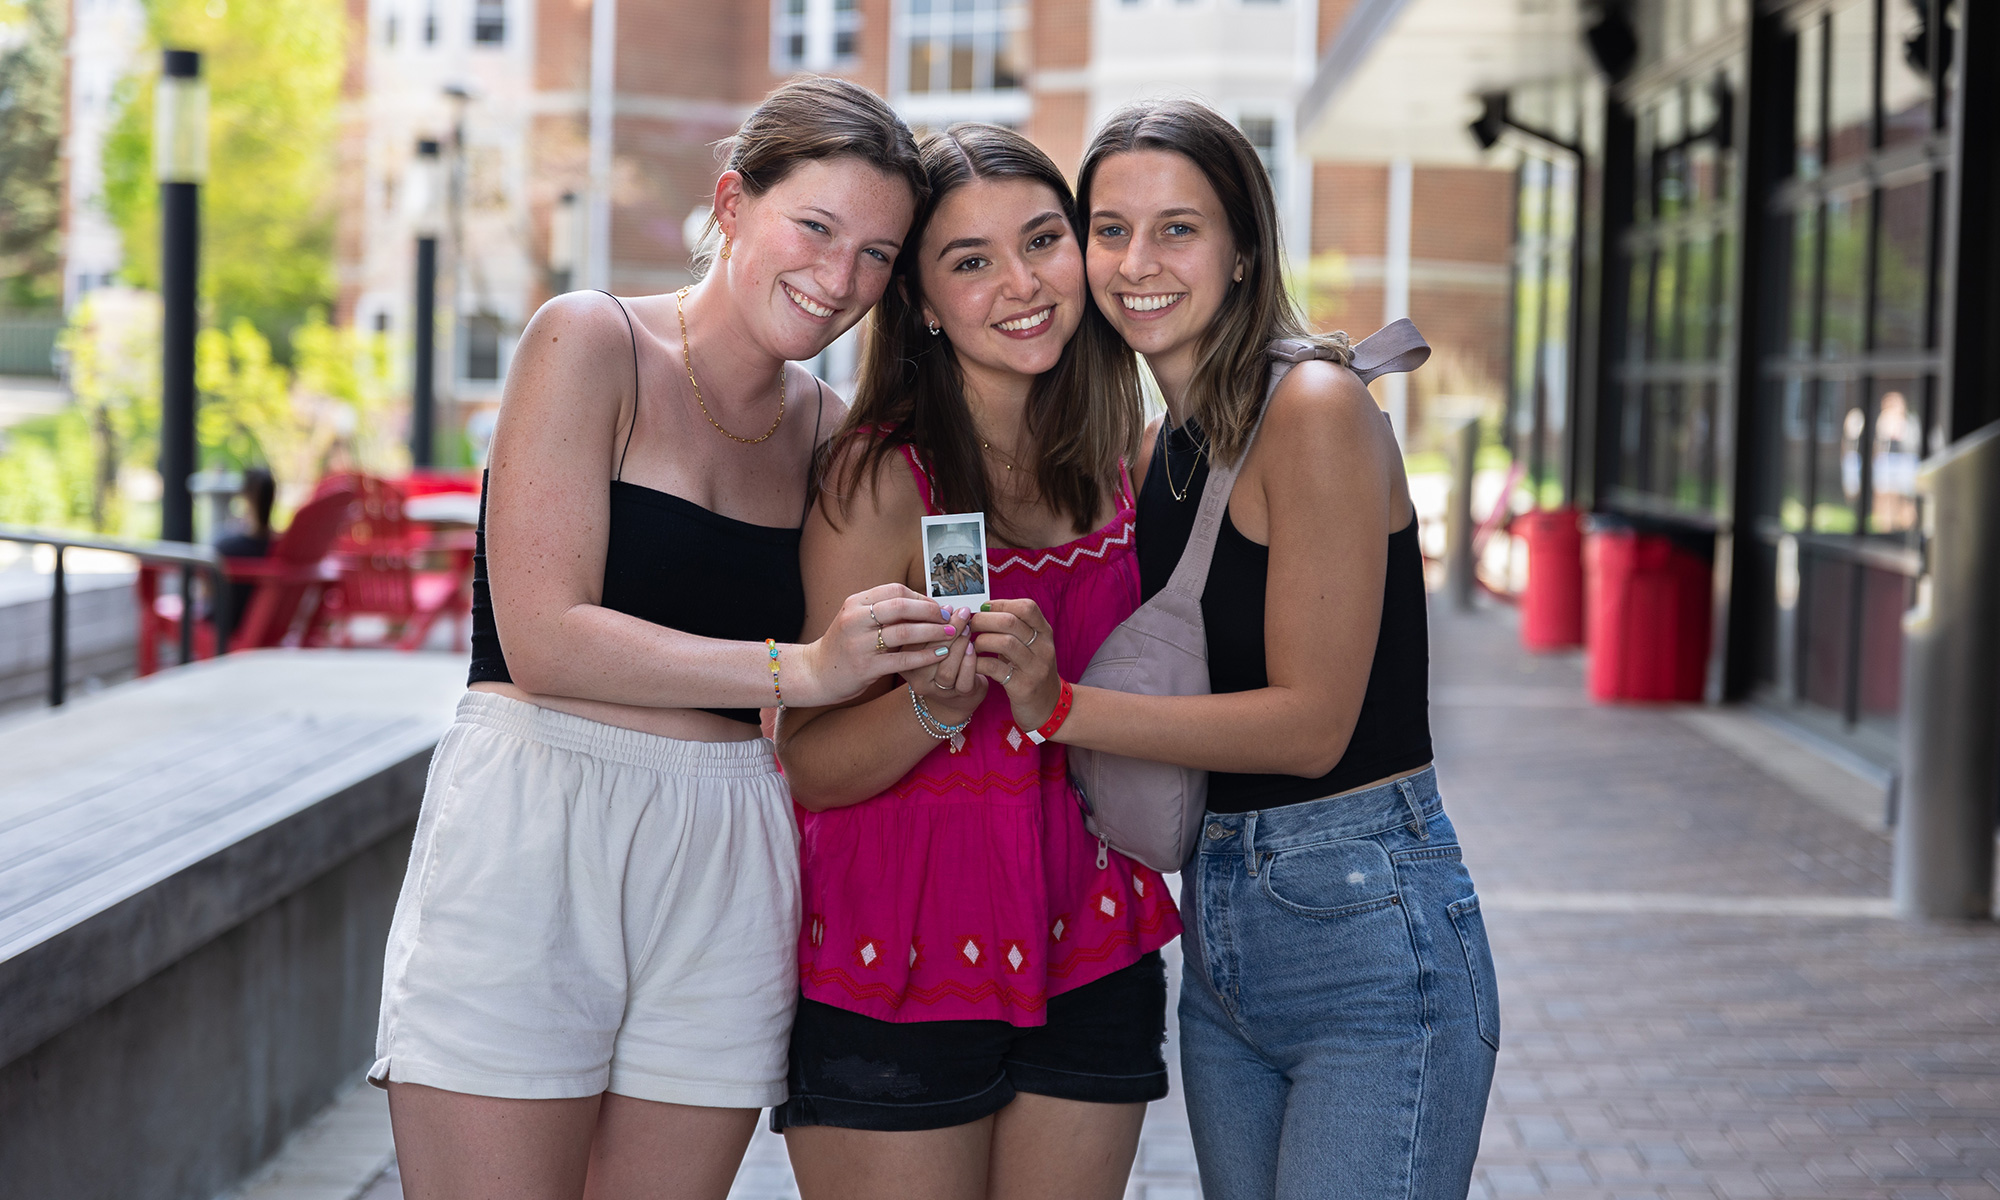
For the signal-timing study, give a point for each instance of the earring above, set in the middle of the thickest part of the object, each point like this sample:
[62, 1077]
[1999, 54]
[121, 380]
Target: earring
[1239, 271]
[935, 328]
[725, 249]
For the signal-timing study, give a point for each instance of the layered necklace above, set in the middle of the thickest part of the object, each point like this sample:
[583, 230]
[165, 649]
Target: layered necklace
[687, 360]
[1167, 461]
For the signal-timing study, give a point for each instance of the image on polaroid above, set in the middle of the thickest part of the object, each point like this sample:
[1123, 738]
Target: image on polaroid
[955, 559]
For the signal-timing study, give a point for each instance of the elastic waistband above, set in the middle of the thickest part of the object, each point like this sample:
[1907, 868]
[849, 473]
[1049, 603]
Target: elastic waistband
[1410, 800]
[566, 731]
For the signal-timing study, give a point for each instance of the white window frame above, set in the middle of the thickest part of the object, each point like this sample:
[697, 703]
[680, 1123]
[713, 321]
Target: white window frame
[818, 27]
[988, 22]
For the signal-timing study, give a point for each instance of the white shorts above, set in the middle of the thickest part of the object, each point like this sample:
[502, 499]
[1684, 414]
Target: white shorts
[592, 909]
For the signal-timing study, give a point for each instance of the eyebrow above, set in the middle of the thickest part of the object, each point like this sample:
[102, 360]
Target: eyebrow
[1165, 212]
[973, 243]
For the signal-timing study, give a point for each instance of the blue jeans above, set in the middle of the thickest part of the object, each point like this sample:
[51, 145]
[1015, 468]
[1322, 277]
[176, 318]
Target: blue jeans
[1339, 1016]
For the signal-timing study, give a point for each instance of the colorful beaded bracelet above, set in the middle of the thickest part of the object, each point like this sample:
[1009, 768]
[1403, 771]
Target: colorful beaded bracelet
[771, 646]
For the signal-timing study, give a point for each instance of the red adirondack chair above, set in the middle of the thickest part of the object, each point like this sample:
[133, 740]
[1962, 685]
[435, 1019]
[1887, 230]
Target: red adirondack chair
[383, 573]
[292, 585]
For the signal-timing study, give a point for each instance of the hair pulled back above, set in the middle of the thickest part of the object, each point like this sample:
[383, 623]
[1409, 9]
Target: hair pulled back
[1083, 413]
[811, 118]
[1226, 392]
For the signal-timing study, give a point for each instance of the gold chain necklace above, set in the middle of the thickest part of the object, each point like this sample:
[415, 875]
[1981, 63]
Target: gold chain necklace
[1167, 461]
[687, 360]
[1004, 460]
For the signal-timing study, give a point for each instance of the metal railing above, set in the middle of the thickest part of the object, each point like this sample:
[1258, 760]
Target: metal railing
[189, 558]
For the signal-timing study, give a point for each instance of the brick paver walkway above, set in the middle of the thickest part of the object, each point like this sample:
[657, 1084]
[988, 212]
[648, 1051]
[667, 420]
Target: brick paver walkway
[1701, 996]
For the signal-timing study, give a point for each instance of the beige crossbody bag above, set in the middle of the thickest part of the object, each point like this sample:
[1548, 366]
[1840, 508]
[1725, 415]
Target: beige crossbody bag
[1151, 811]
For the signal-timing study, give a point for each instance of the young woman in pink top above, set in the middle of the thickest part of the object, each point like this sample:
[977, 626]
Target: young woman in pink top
[984, 1002]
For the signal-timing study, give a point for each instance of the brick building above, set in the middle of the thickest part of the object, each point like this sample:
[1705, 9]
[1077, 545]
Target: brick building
[584, 138]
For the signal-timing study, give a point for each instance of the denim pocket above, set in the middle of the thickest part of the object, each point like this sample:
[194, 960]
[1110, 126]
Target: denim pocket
[1479, 963]
[1331, 879]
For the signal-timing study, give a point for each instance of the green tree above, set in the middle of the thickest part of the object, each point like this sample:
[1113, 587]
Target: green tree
[274, 70]
[31, 116]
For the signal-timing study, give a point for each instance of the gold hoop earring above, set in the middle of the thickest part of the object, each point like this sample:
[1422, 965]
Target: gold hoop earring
[725, 249]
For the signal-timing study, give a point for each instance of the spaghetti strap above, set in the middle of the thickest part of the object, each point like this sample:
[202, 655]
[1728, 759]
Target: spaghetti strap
[1125, 497]
[812, 451]
[634, 427]
[923, 479]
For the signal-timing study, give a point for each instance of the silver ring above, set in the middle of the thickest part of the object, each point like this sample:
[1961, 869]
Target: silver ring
[940, 686]
[1032, 635]
[1008, 680]
[873, 617]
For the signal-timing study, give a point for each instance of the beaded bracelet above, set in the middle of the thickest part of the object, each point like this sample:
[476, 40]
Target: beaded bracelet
[955, 734]
[771, 646]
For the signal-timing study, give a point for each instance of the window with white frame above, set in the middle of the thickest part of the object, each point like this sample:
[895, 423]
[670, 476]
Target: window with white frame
[489, 22]
[963, 46]
[814, 35]
[1261, 130]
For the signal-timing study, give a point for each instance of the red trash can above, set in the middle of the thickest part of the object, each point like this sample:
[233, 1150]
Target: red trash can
[1650, 608]
[1552, 607]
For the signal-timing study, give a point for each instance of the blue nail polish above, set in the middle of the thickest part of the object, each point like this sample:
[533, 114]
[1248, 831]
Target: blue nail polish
[944, 614]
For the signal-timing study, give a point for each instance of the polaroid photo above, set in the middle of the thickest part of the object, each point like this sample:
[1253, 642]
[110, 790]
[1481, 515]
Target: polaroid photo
[955, 560]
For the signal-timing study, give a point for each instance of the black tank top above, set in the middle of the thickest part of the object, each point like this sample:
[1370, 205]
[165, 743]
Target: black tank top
[670, 561]
[1392, 734]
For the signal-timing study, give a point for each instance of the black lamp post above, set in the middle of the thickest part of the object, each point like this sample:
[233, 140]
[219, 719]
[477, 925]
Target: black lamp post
[180, 162]
[423, 395]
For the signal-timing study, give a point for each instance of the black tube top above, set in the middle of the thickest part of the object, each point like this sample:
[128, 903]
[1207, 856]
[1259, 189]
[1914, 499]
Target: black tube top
[672, 562]
[1392, 734]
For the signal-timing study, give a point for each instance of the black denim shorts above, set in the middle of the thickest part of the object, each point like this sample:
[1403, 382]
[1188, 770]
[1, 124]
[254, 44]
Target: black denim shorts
[1103, 1044]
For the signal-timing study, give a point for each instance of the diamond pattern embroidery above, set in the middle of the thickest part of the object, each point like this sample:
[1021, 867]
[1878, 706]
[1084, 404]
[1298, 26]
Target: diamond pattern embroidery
[1107, 905]
[816, 929]
[971, 950]
[1014, 739]
[1015, 957]
[1139, 884]
[866, 952]
[1056, 930]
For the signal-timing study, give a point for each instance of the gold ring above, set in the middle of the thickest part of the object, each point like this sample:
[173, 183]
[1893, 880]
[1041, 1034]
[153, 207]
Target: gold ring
[879, 643]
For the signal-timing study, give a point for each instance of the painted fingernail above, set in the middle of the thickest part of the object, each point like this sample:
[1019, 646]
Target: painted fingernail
[986, 608]
[941, 651]
[951, 630]
[944, 614]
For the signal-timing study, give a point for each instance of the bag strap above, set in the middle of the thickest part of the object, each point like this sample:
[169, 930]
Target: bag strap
[1396, 347]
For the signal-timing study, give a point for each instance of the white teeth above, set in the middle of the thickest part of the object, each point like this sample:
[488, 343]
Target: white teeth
[1028, 322]
[1149, 303]
[805, 302]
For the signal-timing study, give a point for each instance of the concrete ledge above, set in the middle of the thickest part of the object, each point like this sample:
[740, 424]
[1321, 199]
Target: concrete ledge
[197, 874]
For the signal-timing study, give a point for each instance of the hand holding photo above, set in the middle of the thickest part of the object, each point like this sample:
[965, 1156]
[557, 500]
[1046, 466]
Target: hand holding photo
[955, 559]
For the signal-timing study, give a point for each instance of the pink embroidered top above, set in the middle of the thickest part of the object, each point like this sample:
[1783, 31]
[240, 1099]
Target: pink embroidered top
[970, 890]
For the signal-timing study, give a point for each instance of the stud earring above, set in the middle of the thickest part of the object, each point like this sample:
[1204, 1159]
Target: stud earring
[725, 249]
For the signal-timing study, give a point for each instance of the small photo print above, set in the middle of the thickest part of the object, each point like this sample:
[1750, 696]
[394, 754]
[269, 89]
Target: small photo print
[955, 559]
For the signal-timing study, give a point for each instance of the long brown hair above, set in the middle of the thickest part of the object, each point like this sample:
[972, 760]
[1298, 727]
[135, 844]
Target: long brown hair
[1226, 393]
[815, 117]
[1083, 413]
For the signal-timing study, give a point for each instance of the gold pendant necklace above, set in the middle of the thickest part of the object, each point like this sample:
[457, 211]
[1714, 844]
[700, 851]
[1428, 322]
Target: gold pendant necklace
[1004, 460]
[687, 360]
[1167, 461]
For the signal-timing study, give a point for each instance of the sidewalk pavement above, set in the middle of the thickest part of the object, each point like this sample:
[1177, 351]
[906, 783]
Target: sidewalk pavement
[1701, 993]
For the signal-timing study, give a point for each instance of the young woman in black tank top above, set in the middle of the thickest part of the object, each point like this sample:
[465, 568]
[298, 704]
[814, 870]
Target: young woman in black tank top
[1337, 1014]
[592, 969]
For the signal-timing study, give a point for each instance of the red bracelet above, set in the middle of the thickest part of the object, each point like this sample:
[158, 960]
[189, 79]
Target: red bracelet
[1056, 718]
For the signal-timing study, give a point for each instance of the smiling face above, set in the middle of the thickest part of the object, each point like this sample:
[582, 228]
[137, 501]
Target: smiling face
[1161, 256]
[811, 254]
[1002, 275]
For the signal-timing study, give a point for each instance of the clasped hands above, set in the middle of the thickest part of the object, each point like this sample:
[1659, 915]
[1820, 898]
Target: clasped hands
[1007, 642]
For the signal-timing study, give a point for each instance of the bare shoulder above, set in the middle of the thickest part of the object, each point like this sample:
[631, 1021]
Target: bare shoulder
[1323, 411]
[867, 491]
[576, 349]
[1148, 438]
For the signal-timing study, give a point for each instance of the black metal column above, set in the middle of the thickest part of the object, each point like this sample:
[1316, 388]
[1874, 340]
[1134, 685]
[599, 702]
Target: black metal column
[423, 398]
[180, 268]
[58, 634]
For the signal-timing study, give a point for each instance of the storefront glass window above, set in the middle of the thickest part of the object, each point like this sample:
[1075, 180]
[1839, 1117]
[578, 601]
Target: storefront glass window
[1850, 93]
[1902, 265]
[1806, 116]
[1906, 77]
[1846, 274]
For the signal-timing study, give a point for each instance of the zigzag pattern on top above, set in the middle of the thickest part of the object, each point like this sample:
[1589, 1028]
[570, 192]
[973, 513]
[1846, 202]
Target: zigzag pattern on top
[1068, 561]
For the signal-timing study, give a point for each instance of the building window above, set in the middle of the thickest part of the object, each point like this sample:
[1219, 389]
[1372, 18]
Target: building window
[1853, 368]
[814, 35]
[482, 347]
[430, 25]
[1262, 133]
[960, 46]
[489, 22]
[1538, 392]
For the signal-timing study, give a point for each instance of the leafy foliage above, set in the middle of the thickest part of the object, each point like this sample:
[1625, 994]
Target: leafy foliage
[273, 69]
[31, 114]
